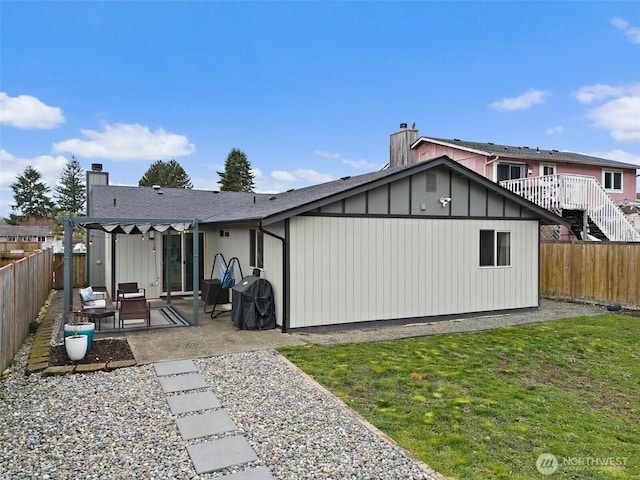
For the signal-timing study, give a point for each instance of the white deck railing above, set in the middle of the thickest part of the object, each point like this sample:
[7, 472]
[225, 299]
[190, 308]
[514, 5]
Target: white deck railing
[577, 192]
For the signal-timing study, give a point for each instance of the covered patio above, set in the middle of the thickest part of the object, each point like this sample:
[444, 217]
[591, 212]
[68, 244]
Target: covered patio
[129, 226]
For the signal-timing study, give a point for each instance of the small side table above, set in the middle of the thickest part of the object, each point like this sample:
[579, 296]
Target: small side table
[96, 314]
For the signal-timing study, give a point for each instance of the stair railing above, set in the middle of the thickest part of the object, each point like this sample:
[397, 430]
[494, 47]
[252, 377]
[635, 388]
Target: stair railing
[577, 192]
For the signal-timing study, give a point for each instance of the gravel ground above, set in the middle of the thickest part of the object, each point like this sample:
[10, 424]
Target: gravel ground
[117, 425]
[113, 425]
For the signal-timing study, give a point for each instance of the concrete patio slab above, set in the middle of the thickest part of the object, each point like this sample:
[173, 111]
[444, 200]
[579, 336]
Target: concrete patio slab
[259, 473]
[192, 402]
[205, 424]
[222, 453]
[181, 383]
[175, 368]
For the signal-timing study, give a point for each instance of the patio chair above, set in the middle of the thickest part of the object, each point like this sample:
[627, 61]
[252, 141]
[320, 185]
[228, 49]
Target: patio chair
[91, 299]
[134, 309]
[129, 290]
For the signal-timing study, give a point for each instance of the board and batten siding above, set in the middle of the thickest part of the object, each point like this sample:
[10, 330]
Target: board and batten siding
[137, 262]
[273, 266]
[359, 269]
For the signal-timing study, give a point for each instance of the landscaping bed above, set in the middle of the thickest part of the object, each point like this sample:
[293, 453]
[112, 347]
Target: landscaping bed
[103, 351]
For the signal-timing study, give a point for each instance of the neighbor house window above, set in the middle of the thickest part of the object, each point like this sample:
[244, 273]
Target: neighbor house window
[495, 248]
[256, 244]
[548, 170]
[509, 171]
[612, 180]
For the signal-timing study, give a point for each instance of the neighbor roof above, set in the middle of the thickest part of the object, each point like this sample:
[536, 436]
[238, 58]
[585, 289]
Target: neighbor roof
[139, 203]
[490, 149]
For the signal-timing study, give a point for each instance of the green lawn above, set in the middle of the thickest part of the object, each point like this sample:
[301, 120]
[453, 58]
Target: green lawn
[488, 404]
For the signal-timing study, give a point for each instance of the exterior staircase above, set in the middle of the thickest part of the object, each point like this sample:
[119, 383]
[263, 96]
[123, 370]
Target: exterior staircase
[564, 192]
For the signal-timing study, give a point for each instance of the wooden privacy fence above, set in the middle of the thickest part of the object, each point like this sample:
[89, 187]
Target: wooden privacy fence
[79, 270]
[24, 287]
[602, 272]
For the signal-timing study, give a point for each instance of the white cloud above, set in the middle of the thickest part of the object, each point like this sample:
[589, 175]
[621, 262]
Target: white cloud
[621, 116]
[360, 164]
[323, 154]
[527, 100]
[127, 142]
[557, 130]
[632, 33]
[592, 93]
[619, 111]
[283, 176]
[27, 112]
[619, 156]
[312, 176]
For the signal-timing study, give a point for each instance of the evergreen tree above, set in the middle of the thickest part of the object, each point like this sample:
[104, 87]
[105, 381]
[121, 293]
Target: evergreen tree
[70, 193]
[31, 197]
[237, 176]
[166, 174]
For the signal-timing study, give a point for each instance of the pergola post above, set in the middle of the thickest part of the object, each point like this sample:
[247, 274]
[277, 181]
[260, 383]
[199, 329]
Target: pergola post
[196, 272]
[68, 267]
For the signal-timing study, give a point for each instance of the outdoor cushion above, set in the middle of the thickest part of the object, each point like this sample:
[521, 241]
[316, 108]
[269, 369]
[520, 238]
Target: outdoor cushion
[91, 299]
[131, 295]
[87, 295]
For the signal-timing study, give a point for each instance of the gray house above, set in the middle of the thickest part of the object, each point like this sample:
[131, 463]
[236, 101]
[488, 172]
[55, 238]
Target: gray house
[419, 242]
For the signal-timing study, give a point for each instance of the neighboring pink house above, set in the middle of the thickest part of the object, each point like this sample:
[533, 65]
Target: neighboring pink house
[589, 189]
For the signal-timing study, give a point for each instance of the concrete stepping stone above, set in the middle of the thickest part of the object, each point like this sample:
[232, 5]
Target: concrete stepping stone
[259, 473]
[222, 453]
[175, 368]
[181, 383]
[205, 424]
[192, 402]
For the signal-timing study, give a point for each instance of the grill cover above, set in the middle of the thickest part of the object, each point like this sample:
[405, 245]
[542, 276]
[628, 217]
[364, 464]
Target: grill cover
[252, 304]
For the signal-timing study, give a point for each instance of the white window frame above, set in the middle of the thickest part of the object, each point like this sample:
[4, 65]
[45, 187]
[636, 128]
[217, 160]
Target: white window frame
[611, 188]
[497, 260]
[256, 248]
[521, 166]
[548, 165]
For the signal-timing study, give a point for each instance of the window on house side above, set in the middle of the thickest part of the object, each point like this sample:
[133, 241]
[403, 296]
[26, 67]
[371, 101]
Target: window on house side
[613, 180]
[256, 245]
[495, 248]
[509, 171]
[548, 170]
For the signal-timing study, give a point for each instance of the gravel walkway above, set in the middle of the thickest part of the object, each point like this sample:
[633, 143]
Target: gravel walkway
[113, 425]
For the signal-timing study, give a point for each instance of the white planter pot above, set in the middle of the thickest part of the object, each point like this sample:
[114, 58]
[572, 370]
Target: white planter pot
[85, 328]
[76, 346]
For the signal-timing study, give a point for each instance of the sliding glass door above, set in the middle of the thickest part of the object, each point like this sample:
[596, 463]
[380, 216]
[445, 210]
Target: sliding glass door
[177, 255]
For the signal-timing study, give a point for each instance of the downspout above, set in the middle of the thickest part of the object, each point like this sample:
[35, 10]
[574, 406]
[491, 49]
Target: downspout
[285, 272]
[490, 161]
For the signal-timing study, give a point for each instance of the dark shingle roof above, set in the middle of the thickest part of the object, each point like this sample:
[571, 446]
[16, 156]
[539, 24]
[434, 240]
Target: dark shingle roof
[208, 206]
[140, 203]
[527, 152]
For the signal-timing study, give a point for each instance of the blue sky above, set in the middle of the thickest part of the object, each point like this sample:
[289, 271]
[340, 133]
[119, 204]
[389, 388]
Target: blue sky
[310, 91]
